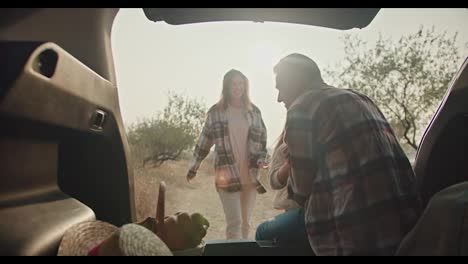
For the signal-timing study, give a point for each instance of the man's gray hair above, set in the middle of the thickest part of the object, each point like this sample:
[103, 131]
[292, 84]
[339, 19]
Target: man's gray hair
[301, 64]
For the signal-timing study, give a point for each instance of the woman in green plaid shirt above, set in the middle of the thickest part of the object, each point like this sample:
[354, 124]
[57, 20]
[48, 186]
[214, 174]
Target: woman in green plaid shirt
[235, 127]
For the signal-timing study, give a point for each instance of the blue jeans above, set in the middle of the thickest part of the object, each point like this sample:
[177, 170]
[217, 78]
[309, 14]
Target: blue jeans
[287, 227]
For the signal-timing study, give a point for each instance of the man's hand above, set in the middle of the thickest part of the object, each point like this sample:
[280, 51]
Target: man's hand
[283, 172]
[286, 151]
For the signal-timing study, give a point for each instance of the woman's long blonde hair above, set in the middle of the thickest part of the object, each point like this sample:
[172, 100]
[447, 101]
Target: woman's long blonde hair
[225, 95]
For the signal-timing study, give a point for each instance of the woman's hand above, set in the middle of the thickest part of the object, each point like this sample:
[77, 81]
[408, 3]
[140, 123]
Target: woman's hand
[262, 164]
[190, 176]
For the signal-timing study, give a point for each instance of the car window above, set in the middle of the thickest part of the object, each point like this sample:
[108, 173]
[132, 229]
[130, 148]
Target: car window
[169, 76]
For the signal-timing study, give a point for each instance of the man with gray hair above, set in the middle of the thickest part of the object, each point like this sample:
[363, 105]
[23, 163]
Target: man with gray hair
[348, 170]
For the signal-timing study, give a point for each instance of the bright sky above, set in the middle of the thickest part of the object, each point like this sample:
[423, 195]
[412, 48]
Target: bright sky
[153, 58]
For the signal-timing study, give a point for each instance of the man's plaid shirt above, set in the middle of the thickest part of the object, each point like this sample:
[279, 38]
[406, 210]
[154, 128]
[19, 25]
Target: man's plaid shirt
[350, 174]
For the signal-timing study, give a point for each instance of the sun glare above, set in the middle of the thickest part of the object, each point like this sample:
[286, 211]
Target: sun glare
[264, 54]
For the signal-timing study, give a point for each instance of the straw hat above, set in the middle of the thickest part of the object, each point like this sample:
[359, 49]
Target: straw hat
[79, 239]
[136, 240]
[105, 239]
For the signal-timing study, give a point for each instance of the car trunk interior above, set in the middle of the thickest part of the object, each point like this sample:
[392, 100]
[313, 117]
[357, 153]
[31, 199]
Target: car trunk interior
[62, 134]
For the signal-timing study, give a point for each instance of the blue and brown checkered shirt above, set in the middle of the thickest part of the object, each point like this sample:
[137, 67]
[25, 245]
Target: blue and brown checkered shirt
[350, 173]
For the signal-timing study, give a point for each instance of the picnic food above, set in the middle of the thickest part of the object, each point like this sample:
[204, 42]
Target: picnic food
[179, 231]
[182, 231]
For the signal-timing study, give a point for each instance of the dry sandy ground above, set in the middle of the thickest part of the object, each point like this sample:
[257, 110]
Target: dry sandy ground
[198, 196]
